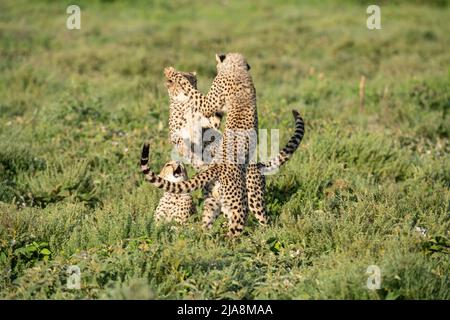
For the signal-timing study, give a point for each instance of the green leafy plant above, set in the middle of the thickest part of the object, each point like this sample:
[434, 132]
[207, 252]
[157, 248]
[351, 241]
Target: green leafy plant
[437, 244]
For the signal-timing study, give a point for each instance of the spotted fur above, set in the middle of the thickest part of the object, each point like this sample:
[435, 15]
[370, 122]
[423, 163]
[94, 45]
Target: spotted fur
[186, 127]
[212, 204]
[174, 207]
[255, 178]
[232, 92]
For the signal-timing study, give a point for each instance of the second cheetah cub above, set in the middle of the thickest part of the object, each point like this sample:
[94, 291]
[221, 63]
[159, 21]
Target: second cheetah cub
[174, 207]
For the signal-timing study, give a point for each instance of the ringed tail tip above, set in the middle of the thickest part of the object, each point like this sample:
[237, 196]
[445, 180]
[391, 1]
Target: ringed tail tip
[146, 149]
[145, 153]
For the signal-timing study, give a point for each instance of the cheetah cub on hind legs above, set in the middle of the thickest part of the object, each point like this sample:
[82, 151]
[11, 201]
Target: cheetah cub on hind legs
[174, 207]
[186, 127]
[182, 126]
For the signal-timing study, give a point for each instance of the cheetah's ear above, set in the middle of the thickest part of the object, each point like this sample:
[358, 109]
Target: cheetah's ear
[194, 73]
[169, 71]
[220, 57]
[248, 67]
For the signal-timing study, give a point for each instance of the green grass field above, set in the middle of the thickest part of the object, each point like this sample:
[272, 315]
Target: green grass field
[367, 186]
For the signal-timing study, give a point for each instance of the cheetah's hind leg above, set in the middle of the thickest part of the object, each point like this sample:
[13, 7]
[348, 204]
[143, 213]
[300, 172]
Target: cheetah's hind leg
[211, 210]
[256, 185]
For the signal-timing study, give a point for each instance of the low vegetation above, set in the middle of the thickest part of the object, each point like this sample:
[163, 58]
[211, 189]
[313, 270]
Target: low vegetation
[368, 186]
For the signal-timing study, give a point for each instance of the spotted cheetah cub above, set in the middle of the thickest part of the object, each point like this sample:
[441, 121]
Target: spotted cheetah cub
[186, 127]
[174, 207]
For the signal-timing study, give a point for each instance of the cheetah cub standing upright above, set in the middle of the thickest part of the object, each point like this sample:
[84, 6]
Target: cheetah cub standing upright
[183, 128]
[174, 207]
[186, 127]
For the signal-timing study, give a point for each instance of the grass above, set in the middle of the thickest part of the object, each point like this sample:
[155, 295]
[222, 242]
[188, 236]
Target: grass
[367, 187]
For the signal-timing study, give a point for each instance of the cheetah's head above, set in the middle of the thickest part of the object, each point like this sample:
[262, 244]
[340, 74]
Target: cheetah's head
[172, 84]
[231, 61]
[174, 171]
[216, 119]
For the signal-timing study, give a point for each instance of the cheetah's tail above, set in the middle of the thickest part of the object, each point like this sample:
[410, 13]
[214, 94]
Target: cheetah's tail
[196, 182]
[289, 149]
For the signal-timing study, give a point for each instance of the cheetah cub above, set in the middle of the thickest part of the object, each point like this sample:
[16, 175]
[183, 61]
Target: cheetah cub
[186, 127]
[174, 207]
